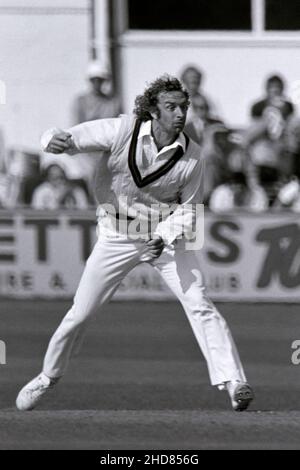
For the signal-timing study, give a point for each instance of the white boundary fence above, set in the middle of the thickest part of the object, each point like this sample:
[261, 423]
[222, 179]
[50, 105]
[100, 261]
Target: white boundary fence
[245, 257]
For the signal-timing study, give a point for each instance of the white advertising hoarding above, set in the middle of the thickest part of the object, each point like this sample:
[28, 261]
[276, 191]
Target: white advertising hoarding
[245, 257]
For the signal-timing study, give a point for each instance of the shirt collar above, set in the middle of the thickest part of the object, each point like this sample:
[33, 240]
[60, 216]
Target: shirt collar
[145, 130]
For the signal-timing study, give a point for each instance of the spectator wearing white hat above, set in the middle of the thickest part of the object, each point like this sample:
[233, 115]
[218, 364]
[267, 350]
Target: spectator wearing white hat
[98, 102]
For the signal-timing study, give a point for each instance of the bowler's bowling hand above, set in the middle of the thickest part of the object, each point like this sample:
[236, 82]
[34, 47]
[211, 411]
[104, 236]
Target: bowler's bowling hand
[60, 143]
[155, 246]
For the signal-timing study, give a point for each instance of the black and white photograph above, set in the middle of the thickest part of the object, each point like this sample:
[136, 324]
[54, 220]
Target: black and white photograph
[149, 227]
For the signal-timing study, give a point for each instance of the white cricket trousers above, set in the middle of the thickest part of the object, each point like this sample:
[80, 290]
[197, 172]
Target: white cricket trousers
[111, 259]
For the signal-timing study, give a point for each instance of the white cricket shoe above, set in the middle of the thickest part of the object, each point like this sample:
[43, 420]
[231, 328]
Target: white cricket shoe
[31, 394]
[241, 395]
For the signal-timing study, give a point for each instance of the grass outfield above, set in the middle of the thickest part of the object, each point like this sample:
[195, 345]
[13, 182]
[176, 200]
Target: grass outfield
[140, 381]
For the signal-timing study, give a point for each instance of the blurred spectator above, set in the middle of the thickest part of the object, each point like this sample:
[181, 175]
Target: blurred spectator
[8, 193]
[222, 155]
[2, 153]
[237, 194]
[275, 103]
[6, 196]
[31, 176]
[292, 143]
[201, 119]
[23, 175]
[57, 192]
[192, 78]
[98, 102]
[3, 190]
[289, 194]
[265, 138]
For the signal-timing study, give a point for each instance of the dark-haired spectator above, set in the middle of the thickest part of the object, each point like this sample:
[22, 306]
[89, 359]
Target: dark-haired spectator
[266, 137]
[57, 192]
[274, 102]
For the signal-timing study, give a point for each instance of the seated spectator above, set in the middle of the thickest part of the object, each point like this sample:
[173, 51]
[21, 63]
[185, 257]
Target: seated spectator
[237, 194]
[3, 191]
[57, 192]
[275, 103]
[201, 120]
[192, 78]
[23, 170]
[221, 153]
[265, 138]
[8, 193]
[2, 153]
[292, 144]
[289, 195]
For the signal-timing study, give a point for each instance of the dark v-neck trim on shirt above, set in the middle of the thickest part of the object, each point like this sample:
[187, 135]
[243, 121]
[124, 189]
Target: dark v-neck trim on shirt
[139, 181]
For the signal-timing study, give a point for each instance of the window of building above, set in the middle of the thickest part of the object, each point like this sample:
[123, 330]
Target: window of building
[282, 15]
[253, 16]
[200, 15]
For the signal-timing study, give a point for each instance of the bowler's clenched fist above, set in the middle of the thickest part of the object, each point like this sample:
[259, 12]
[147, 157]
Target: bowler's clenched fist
[155, 247]
[60, 143]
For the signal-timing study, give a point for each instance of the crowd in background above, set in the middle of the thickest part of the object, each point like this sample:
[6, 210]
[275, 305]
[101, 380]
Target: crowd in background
[255, 168]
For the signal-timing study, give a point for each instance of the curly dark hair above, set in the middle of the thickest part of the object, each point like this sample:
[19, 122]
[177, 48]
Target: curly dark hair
[147, 103]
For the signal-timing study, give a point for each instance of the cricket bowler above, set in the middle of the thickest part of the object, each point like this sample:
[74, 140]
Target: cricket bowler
[152, 179]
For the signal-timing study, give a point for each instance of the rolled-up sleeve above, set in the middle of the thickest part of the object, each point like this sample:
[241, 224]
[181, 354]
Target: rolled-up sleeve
[87, 137]
[183, 220]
